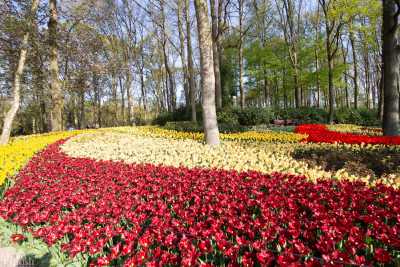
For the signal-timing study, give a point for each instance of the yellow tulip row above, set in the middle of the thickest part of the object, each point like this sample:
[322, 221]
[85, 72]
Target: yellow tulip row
[265, 136]
[17, 153]
[356, 129]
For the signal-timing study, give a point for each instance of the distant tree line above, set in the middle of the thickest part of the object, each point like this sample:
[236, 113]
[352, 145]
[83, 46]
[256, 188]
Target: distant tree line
[107, 63]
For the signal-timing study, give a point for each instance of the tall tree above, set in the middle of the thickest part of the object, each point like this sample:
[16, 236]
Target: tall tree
[16, 87]
[290, 18]
[216, 39]
[207, 73]
[390, 59]
[55, 88]
[192, 86]
[333, 26]
[240, 50]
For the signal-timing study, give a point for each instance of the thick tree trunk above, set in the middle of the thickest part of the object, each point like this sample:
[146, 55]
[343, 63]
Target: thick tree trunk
[215, 35]
[207, 74]
[390, 59]
[16, 87]
[55, 88]
[192, 86]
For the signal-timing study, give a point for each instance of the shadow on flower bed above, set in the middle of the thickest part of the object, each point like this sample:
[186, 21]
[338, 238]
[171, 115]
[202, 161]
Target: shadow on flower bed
[361, 162]
[142, 214]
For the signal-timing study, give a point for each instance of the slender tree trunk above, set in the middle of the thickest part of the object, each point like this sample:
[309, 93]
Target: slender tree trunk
[381, 96]
[122, 91]
[355, 69]
[129, 97]
[143, 88]
[390, 54]
[215, 34]
[240, 57]
[346, 86]
[82, 120]
[10, 115]
[207, 74]
[331, 93]
[192, 86]
[114, 100]
[183, 56]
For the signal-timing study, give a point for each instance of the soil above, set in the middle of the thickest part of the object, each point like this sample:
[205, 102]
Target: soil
[374, 163]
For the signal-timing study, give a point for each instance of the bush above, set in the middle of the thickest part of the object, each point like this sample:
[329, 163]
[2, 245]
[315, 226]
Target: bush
[227, 117]
[360, 116]
[180, 114]
[253, 116]
[184, 126]
[303, 114]
[188, 126]
[163, 118]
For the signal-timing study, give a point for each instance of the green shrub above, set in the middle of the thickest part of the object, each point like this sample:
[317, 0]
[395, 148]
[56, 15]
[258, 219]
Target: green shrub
[188, 126]
[362, 116]
[227, 117]
[162, 118]
[253, 116]
[180, 114]
[303, 114]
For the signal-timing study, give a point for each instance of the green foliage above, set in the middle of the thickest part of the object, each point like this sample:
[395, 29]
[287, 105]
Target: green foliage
[253, 116]
[188, 126]
[303, 114]
[360, 116]
[227, 116]
[180, 114]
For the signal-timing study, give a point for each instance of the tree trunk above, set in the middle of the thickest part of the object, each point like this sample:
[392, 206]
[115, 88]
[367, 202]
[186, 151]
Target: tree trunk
[215, 35]
[183, 56]
[129, 97]
[55, 88]
[207, 74]
[331, 93]
[241, 89]
[192, 86]
[9, 118]
[355, 70]
[122, 91]
[390, 59]
[114, 98]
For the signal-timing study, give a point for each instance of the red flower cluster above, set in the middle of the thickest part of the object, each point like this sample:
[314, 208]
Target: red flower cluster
[155, 216]
[318, 133]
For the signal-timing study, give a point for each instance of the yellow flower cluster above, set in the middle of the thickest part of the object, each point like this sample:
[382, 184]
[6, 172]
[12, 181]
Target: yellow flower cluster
[16, 154]
[265, 136]
[356, 129]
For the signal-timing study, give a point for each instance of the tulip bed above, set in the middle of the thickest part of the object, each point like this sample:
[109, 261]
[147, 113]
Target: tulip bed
[318, 133]
[148, 196]
[144, 214]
